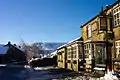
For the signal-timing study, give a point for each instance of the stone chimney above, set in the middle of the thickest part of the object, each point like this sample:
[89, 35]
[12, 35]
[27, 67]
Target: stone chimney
[9, 44]
[15, 45]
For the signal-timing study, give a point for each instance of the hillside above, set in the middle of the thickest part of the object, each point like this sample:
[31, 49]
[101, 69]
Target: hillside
[48, 47]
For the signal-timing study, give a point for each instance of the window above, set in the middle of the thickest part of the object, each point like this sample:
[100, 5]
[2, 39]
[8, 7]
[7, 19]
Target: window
[102, 24]
[69, 53]
[116, 16]
[80, 51]
[117, 49]
[89, 34]
[74, 52]
[100, 55]
[87, 50]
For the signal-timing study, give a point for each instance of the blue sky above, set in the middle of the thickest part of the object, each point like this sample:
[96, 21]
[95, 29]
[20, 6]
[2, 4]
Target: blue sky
[45, 20]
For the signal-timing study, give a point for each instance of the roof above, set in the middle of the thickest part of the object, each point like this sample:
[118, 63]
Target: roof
[88, 21]
[115, 3]
[107, 8]
[62, 46]
[54, 52]
[21, 49]
[3, 49]
[79, 38]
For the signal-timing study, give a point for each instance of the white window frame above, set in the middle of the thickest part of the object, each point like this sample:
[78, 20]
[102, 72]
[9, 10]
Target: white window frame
[87, 49]
[117, 48]
[116, 12]
[69, 53]
[89, 31]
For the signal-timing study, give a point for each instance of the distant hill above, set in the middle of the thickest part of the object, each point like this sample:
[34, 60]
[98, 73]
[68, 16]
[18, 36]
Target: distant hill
[48, 47]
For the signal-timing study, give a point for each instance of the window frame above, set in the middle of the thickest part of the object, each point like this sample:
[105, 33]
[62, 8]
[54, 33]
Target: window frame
[117, 45]
[116, 16]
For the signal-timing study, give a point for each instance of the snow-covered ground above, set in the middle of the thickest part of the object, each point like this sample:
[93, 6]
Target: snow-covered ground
[45, 73]
[54, 73]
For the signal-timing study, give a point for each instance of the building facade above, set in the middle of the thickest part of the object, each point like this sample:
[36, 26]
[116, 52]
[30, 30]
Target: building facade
[75, 54]
[61, 57]
[101, 36]
[70, 55]
[11, 54]
[100, 47]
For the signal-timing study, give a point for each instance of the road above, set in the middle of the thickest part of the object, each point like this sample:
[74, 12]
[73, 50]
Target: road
[21, 73]
[13, 73]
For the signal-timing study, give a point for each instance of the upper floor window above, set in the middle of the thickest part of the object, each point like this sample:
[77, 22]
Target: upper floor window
[102, 23]
[89, 32]
[116, 16]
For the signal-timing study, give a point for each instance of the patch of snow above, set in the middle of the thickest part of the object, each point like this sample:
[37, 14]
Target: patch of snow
[109, 76]
[2, 65]
[45, 68]
[97, 68]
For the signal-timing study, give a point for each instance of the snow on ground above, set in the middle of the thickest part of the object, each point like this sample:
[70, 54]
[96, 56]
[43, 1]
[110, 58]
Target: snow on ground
[52, 73]
[42, 73]
[45, 68]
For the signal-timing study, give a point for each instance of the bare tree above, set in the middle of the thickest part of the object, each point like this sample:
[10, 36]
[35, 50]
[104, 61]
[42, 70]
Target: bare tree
[32, 50]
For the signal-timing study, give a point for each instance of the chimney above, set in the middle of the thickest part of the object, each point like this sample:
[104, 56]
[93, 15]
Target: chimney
[9, 43]
[107, 7]
[19, 46]
[15, 45]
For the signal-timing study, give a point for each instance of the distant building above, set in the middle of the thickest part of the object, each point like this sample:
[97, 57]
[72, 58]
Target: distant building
[70, 55]
[62, 56]
[12, 54]
[75, 54]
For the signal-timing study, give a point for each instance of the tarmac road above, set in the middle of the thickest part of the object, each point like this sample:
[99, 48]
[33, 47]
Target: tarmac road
[13, 73]
[21, 73]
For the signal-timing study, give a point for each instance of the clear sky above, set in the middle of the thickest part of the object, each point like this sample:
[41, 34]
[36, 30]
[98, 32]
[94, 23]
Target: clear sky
[45, 20]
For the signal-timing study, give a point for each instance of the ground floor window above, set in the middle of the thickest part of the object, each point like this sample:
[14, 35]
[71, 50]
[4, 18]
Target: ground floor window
[117, 49]
[74, 52]
[80, 51]
[95, 51]
[87, 50]
[69, 53]
[100, 55]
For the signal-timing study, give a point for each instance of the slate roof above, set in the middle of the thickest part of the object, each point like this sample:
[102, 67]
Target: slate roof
[3, 49]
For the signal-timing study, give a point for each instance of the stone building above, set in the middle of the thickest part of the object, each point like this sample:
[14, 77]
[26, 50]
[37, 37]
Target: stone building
[70, 55]
[101, 36]
[100, 44]
[62, 56]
